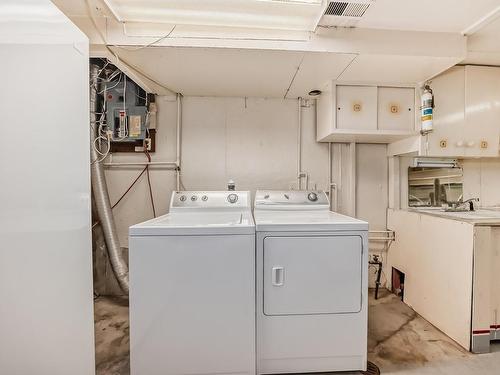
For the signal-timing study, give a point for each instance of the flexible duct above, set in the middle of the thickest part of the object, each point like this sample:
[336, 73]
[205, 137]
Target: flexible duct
[100, 192]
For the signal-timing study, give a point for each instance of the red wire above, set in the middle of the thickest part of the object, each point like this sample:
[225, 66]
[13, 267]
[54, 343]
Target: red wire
[146, 169]
[130, 187]
[149, 182]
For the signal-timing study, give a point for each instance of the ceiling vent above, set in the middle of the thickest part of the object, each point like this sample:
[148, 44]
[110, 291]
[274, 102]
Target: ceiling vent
[336, 8]
[344, 13]
[344, 9]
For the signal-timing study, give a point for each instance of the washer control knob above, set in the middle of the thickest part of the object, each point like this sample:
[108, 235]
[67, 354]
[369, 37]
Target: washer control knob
[232, 198]
[204, 198]
[194, 198]
[182, 198]
[313, 197]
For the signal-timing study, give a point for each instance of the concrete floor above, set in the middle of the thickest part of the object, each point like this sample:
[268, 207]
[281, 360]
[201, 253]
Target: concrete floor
[400, 342]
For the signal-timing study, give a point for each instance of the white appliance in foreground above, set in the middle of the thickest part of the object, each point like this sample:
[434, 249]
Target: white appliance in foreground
[46, 292]
[192, 287]
[312, 288]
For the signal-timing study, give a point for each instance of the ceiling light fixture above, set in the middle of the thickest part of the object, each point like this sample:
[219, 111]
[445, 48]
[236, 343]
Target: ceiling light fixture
[315, 92]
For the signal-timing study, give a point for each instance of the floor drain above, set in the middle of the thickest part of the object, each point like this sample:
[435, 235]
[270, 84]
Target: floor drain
[371, 369]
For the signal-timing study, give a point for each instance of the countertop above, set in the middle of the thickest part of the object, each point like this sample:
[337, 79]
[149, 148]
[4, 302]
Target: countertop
[481, 216]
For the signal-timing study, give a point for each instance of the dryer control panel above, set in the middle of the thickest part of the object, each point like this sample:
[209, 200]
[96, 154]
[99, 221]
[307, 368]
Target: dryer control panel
[291, 199]
[210, 199]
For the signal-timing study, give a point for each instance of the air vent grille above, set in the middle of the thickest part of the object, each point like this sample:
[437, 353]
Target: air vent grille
[344, 9]
[336, 8]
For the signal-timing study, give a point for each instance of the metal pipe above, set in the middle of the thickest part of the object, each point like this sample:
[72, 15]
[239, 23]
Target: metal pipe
[352, 149]
[100, 193]
[299, 146]
[178, 145]
[330, 163]
[172, 164]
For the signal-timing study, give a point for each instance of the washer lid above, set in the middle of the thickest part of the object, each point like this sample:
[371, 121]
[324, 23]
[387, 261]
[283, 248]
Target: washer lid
[283, 221]
[196, 223]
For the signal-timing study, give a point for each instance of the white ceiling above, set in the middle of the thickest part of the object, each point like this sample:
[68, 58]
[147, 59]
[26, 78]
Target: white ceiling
[483, 46]
[416, 15]
[283, 69]
[394, 69]
[234, 72]
[272, 73]
[426, 15]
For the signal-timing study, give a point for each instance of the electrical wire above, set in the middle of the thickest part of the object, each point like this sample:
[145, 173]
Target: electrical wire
[112, 87]
[147, 45]
[149, 181]
[113, 53]
[130, 187]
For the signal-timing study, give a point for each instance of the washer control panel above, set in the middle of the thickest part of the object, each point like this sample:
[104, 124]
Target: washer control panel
[210, 199]
[291, 199]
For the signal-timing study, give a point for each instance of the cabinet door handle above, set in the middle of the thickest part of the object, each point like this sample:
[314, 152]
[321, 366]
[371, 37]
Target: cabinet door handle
[278, 276]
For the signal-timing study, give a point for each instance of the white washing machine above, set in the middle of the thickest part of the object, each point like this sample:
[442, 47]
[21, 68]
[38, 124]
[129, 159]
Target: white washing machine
[312, 285]
[192, 287]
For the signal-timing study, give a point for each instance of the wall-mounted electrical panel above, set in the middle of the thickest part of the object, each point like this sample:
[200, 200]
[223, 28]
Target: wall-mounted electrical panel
[129, 112]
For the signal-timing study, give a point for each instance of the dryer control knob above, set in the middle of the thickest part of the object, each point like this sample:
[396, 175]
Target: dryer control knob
[232, 198]
[182, 198]
[313, 197]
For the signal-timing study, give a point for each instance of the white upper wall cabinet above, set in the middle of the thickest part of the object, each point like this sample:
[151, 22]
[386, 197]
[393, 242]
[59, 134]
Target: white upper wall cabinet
[365, 114]
[356, 108]
[482, 111]
[449, 116]
[466, 115]
[396, 108]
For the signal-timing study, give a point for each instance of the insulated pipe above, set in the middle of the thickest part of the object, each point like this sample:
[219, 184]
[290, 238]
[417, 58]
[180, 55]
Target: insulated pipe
[178, 146]
[299, 146]
[100, 193]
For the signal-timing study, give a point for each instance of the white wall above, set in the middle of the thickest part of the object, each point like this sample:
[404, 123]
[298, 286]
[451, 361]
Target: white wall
[482, 180]
[254, 142]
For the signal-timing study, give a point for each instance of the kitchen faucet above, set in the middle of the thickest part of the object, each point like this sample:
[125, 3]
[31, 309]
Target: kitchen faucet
[460, 206]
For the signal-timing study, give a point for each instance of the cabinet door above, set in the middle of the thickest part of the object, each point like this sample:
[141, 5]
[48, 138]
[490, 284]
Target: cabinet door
[312, 275]
[449, 116]
[482, 111]
[396, 108]
[357, 107]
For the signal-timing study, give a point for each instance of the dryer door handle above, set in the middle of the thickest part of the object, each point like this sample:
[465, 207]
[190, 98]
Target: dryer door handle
[278, 276]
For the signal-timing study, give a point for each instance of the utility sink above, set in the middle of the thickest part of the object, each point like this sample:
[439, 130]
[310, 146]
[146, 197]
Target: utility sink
[480, 214]
[477, 214]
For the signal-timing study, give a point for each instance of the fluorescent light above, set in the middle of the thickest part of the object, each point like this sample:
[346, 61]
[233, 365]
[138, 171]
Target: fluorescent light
[297, 15]
[313, 2]
[435, 163]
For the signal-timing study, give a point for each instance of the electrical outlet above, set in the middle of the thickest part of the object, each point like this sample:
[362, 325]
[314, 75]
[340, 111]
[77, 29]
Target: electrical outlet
[147, 144]
[484, 144]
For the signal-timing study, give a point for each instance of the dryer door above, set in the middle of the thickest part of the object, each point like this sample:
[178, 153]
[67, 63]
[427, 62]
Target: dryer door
[312, 275]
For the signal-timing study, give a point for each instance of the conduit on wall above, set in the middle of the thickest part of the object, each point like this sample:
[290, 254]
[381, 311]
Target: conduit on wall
[100, 192]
